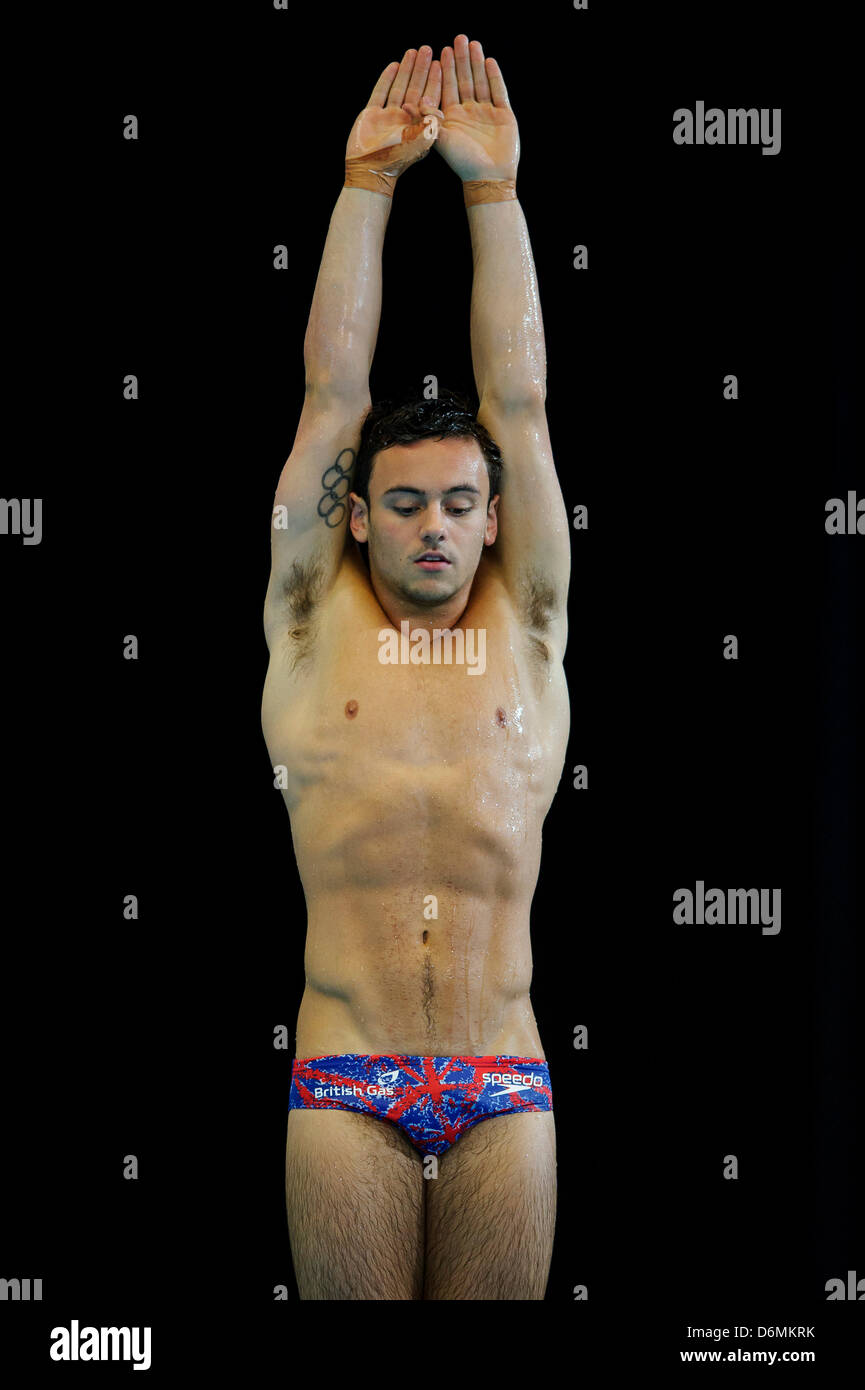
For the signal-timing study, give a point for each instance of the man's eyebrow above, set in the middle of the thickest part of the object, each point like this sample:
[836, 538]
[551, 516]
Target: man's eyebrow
[419, 491]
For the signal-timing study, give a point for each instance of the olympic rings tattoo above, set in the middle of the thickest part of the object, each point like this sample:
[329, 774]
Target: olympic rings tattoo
[332, 492]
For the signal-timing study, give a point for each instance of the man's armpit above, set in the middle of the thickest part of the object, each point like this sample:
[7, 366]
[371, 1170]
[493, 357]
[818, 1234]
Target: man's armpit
[538, 600]
[295, 605]
[302, 588]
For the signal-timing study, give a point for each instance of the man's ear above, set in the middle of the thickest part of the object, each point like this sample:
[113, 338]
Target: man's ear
[358, 518]
[491, 529]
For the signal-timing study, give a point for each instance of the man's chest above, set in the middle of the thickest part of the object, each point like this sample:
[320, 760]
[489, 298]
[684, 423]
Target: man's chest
[484, 697]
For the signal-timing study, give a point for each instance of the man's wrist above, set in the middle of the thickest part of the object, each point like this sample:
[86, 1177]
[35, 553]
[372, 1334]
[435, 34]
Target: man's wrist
[489, 191]
[371, 180]
[360, 172]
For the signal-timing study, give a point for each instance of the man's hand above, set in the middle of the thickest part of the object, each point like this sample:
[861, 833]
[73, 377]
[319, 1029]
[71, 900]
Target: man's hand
[478, 137]
[401, 121]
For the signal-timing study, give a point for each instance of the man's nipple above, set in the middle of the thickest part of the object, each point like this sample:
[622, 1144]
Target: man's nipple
[501, 717]
[351, 709]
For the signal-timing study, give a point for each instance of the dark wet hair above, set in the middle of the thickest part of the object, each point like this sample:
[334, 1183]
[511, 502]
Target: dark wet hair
[448, 417]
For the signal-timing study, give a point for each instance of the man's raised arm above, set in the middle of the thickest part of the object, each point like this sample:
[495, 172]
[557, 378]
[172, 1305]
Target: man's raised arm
[480, 141]
[310, 509]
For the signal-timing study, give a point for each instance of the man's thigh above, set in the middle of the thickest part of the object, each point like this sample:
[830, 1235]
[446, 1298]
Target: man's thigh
[491, 1212]
[354, 1198]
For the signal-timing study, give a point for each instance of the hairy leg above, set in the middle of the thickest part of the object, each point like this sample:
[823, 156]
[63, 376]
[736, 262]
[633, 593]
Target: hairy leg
[491, 1212]
[354, 1198]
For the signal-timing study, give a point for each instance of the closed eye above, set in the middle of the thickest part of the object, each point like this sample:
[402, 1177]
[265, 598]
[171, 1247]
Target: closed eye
[455, 511]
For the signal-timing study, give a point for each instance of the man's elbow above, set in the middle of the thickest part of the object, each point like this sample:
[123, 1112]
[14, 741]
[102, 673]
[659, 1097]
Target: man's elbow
[325, 388]
[513, 398]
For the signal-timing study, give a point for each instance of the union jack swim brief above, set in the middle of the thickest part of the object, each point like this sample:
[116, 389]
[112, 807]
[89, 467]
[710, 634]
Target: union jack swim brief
[433, 1100]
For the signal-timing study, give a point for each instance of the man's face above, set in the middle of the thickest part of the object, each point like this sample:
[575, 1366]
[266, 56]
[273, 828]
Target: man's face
[427, 497]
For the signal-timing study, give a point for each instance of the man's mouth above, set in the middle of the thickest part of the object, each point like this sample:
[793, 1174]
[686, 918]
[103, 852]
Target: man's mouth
[431, 560]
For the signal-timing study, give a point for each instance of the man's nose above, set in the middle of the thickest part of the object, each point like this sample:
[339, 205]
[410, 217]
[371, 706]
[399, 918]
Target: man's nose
[432, 520]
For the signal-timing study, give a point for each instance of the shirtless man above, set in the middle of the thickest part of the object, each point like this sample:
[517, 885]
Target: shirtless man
[420, 1155]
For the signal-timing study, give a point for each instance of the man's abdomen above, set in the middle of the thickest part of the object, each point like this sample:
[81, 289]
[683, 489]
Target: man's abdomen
[428, 969]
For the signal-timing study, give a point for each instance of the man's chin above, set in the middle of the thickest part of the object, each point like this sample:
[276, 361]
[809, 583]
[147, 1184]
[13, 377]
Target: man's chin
[430, 587]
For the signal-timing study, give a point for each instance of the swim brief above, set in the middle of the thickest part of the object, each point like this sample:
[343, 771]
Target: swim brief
[433, 1100]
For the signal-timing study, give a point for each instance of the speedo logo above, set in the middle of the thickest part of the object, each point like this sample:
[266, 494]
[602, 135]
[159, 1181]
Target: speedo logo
[513, 1080]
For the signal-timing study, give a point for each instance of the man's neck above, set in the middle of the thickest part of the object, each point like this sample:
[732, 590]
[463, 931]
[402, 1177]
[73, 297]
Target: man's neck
[399, 609]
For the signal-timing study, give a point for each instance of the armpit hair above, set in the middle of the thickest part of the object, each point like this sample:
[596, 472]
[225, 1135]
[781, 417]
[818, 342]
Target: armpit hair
[538, 600]
[302, 588]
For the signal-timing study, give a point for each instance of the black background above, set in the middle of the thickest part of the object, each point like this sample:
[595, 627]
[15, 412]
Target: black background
[706, 517]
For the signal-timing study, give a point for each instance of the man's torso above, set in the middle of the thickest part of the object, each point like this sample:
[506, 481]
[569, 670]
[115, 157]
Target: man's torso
[417, 794]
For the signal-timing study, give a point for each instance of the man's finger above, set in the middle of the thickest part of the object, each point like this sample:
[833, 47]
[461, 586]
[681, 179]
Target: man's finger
[419, 75]
[425, 121]
[433, 91]
[498, 90]
[450, 91]
[465, 82]
[383, 85]
[412, 110]
[479, 76]
[396, 96]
